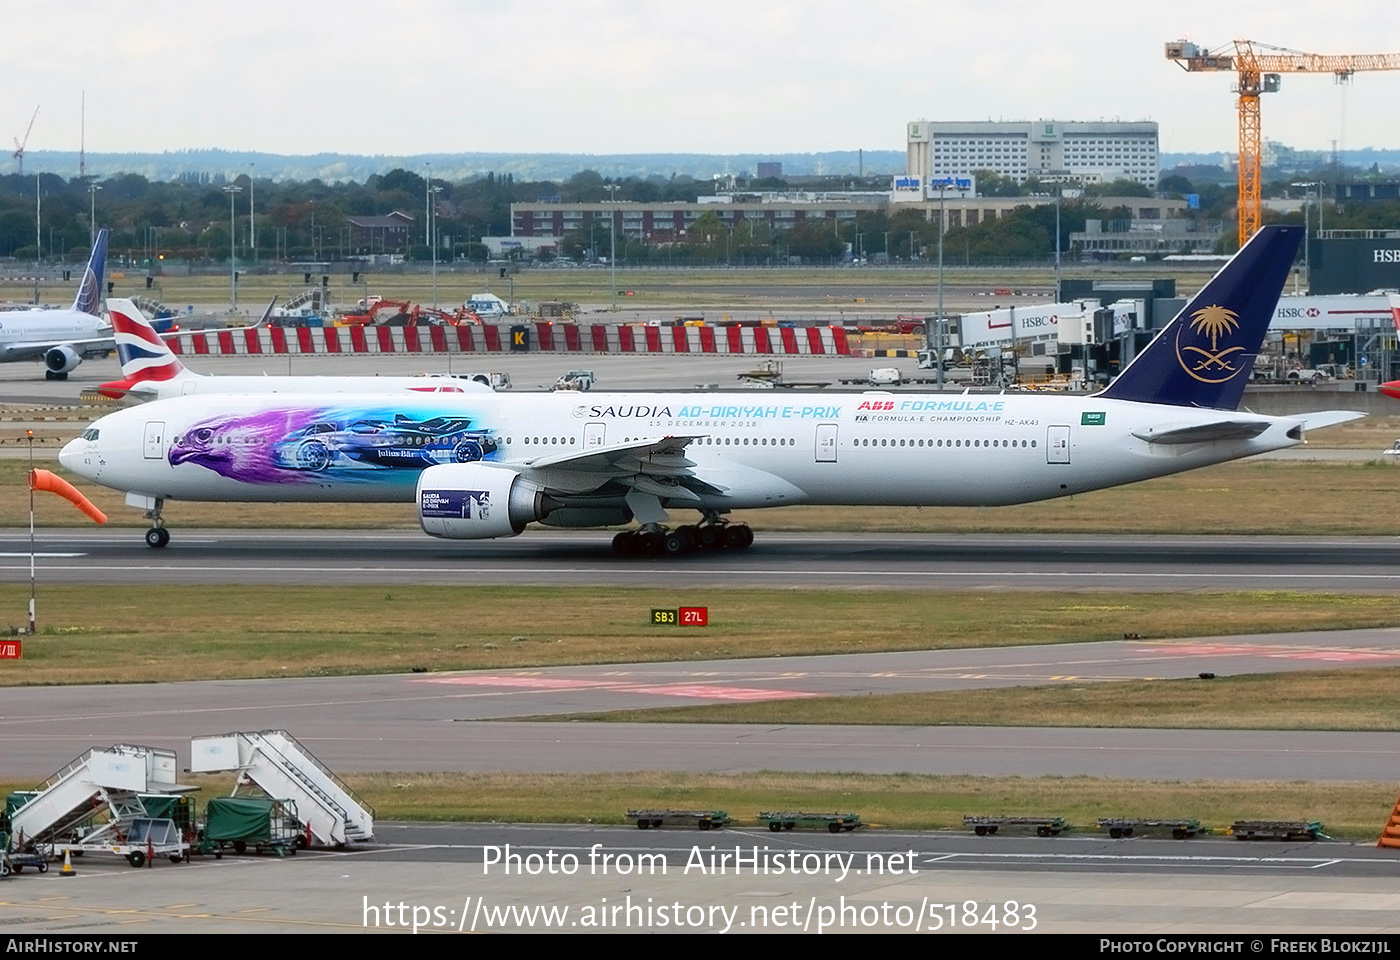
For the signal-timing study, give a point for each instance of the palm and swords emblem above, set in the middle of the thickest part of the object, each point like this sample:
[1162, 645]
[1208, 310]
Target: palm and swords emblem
[1213, 365]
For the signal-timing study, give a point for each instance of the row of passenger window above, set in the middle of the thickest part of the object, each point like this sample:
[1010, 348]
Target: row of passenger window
[943, 443]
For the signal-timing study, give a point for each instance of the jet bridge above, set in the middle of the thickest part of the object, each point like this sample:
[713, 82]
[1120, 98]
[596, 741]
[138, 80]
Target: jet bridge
[284, 769]
[103, 781]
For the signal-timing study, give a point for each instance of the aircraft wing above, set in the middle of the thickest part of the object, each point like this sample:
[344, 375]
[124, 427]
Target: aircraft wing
[1236, 428]
[656, 466]
[267, 312]
[35, 349]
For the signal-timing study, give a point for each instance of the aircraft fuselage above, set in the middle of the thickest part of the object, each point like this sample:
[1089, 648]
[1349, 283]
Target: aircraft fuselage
[753, 450]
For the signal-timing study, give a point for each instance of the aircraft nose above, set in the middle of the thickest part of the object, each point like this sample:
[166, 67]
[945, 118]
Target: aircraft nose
[71, 456]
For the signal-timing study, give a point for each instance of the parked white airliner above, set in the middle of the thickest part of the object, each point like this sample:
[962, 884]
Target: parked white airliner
[481, 466]
[62, 338]
[151, 371]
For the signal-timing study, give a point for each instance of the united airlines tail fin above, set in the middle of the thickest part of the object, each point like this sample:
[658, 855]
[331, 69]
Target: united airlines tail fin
[89, 298]
[1203, 358]
[144, 355]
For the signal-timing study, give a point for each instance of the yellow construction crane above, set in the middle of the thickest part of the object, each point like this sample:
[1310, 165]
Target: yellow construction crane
[1259, 68]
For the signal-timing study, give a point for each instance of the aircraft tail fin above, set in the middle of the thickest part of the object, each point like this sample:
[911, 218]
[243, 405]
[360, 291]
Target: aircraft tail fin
[143, 353]
[1203, 358]
[89, 298]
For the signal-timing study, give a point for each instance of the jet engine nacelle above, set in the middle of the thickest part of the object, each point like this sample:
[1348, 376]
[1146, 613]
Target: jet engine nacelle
[61, 359]
[477, 501]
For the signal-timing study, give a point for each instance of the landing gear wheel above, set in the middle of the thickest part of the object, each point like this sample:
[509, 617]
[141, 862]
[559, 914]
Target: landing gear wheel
[157, 537]
[136, 858]
[676, 542]
[737, 536]
[710, 535]
[54, 375]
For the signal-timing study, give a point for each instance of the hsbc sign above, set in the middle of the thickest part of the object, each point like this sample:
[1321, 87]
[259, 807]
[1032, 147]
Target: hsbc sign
[1324, 313]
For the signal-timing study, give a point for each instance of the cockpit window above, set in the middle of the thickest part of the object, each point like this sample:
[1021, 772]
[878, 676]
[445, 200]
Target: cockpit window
[90, 434]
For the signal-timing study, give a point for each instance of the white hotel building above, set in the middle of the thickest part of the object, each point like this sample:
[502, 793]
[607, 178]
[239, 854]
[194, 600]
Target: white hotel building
[1043, 149]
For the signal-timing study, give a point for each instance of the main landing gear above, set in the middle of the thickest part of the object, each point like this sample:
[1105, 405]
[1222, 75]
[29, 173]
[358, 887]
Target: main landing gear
[655, 541]
[157, 536]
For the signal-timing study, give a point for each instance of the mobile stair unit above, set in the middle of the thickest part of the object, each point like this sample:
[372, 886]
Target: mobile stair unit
[94, 802]
[285, 770]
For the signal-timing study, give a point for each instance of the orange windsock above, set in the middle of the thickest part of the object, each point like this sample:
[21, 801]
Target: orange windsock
[52, 483]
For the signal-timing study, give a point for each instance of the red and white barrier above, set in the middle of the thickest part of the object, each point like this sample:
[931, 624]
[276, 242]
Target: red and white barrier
[513, 338]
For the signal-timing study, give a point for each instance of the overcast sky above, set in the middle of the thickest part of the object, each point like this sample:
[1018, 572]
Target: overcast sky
[655, 76]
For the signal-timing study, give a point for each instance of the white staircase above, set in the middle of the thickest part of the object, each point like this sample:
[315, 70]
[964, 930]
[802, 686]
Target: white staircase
[285, 770]
[101, 781]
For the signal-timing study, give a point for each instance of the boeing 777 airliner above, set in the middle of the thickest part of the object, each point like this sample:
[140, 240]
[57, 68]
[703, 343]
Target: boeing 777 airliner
[485, 465]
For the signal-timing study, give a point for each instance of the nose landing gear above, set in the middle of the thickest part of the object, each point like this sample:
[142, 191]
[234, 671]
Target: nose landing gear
[157, 536]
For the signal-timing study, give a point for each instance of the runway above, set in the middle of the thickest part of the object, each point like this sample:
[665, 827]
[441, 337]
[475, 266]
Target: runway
[461, 721]
[842, 560]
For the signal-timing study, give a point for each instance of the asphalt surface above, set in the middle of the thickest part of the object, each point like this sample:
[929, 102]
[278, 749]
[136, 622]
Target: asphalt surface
[837, 561]
[461, 721]
[451, 878]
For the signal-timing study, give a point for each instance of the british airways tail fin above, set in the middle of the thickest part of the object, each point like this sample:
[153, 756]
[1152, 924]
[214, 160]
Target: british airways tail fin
[89, 298]
[1203, 358]
[143, 354]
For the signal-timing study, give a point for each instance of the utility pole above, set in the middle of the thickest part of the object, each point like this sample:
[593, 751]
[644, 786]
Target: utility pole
[232, 192]
[942, 228]
[612, 233]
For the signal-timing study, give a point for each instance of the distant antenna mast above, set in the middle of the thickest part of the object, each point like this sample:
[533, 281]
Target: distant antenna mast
[19, 144]
[82, 139]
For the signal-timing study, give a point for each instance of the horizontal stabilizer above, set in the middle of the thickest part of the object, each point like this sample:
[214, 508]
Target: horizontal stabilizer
[1204, 432]
[1327, 418]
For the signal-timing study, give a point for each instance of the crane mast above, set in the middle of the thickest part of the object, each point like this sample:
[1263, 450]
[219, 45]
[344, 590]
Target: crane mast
[1258, 69]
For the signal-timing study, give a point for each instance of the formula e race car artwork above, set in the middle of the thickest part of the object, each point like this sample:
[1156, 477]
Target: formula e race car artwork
[402, 443]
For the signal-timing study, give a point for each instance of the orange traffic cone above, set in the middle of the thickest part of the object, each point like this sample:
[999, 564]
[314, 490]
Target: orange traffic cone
[1390, 835]
[67, 870]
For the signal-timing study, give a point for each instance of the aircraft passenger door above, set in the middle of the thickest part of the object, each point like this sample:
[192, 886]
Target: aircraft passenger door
[155, 439]
[1057, 445]
[594, 435]
[826, 442]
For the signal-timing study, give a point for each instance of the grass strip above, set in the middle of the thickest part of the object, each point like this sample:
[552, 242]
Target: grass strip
[149, 634]
[895, 801]
[1313, 700]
